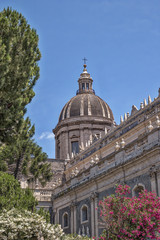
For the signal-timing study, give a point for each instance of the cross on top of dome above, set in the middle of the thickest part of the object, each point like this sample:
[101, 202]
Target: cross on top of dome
[84, 59]
[84, 65]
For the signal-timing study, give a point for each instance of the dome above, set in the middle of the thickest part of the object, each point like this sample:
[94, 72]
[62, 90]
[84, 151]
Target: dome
[86, 104]
[84, 119]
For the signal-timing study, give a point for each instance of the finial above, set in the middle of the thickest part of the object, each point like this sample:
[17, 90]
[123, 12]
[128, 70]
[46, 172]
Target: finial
[141, 106]
[125, 117]
[85, 60]
[121, 119]
[145, 103]
[149, 100]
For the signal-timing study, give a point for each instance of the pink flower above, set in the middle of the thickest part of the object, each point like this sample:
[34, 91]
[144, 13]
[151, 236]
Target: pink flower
[111, 212]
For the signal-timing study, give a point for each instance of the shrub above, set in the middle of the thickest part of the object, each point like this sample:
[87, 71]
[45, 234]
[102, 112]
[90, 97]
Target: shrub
[22, 224]
[131, 218]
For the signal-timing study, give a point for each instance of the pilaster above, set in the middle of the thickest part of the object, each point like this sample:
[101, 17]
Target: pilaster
[73, 217]
[92, 214]
[96, 215]
[155, 181]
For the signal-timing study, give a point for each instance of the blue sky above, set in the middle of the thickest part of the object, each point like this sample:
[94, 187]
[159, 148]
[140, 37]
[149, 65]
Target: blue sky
[120, 39]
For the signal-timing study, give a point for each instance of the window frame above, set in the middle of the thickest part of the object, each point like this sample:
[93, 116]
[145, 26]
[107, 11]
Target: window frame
[64, 214]
[84, 221]
[76, 141]
[87, 86]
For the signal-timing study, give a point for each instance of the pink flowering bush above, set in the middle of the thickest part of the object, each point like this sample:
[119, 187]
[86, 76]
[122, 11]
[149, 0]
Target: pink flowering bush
[126, 218]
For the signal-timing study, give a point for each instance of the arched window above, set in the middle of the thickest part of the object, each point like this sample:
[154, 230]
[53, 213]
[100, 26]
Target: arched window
[65, 220]
[138, 189]
[84, 213]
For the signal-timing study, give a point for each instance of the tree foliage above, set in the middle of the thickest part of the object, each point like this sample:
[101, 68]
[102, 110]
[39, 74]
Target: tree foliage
[131, 218]
[24, 156]
[13, 196]
[19, 71]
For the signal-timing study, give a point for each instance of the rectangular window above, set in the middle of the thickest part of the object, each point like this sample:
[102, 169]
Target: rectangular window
[87, 86]
[83, 86]
[75, 147]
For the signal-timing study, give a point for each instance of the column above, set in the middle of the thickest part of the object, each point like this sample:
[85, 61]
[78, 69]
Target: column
[96, 214]
[56, 216]
[81, 136]
[53, 220]
[66, 143]
[75, 219]
[72, 218]
[92, 215]
[153, 179]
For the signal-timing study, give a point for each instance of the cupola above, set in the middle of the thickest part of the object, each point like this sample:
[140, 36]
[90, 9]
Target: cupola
[85, 82]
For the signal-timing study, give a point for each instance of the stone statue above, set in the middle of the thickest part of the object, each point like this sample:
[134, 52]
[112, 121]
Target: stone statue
[88, 234]
[83, 231]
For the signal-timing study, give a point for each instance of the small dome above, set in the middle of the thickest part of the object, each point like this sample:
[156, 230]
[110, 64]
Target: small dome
[86, 104]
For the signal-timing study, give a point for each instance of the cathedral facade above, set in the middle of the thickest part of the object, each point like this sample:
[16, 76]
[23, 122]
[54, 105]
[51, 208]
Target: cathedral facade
[96, 154]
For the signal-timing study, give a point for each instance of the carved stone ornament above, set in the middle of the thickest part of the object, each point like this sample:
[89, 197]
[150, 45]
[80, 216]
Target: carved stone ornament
[150, 127]
[73, 204]
[96, 159]
[153, 170]
[87, 231]
[117, 147]
[157, 121]
[93, 195]
[72, 173]
[123, 143]
[92, 162]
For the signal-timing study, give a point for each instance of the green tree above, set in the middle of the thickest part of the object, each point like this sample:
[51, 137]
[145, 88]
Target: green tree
[13, 196]
[19, 71]
[24, 156]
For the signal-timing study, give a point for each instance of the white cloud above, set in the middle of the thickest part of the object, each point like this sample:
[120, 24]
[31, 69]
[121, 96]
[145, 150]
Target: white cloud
[46, 135]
